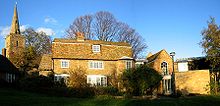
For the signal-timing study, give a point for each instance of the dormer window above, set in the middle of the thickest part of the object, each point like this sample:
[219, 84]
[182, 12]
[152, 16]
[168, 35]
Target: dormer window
[96, 48]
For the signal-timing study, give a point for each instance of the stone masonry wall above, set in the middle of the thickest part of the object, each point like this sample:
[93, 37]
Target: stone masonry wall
[109, 67]
[195, 81]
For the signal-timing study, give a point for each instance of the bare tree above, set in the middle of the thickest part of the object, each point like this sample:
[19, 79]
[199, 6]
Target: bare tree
[129, 35]
[81, 24]
[105, 27]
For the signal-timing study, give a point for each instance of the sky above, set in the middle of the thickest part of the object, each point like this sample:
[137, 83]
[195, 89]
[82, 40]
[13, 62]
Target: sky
[173, 25]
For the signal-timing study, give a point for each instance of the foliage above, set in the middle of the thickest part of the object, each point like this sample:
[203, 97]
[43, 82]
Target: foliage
[36, 82]
[46, 85]
[109, 90]
[211, 46]
[40, 42]
[211, 43]
[77, 78]
[37, 44]
[138, 80]
[104, 26]
[199, 64]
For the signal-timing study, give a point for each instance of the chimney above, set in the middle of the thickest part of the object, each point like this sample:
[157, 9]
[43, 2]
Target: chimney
[4, 52]
[80, 36]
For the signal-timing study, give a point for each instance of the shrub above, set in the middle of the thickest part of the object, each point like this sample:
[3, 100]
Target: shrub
[138, 80]
[109, 90]
[36, 82]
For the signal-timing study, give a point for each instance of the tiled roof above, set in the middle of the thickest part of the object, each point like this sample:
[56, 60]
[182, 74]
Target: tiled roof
[46, 62]
[63, 40]
[189, 59]
[154, 56]
[73, 49]
[6, 65]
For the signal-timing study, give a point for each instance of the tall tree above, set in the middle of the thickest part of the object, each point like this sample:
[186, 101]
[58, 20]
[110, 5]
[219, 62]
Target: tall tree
[211, 46]
[104, 26]
[37, 44]
[81, 24]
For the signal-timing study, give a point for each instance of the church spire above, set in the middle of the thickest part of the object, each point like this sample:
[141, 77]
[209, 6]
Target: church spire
[15, 23]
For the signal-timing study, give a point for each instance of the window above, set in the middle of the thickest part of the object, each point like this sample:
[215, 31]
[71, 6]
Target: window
[16, 43]
[164, 68]
[64, 63]
[61, 77]
[128, 64]
[183, 66]
[96, 65]
[96, 48]
[97, 80]
[10, 77]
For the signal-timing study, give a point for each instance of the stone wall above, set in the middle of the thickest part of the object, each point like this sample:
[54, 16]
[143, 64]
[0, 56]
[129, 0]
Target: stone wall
[109, 67]
[195, 82]
[162, 57]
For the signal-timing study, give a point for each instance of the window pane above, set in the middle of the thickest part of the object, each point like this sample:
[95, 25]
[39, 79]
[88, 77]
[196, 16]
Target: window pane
[64, 64]
[96, 64]
[96, 48]
[128, 64]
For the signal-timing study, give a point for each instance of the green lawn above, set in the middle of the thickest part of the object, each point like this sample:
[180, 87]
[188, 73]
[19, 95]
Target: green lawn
[14, 97]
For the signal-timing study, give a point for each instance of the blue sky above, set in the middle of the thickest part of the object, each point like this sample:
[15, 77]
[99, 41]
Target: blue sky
[174, 25]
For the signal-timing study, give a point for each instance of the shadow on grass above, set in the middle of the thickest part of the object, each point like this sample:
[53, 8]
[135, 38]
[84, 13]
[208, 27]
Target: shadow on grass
[10, 97]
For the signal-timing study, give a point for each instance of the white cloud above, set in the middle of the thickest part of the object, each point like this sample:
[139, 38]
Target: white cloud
[23, 27]
[5, 30]
[48, 31]
[50, 20]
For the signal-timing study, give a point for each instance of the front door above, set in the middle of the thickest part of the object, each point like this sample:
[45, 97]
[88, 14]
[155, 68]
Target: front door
[166, 79]
[167, 86]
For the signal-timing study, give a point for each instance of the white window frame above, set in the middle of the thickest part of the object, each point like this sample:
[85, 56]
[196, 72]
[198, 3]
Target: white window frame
[68, 63]
[97, 80]
[96, 48]
[126, 64]
[58, 77]
[10, 77]
[166, 71]
[96, 65]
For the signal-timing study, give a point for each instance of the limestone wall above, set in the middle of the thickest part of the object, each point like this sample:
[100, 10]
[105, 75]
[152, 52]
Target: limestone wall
[195, 81]
[109, 67]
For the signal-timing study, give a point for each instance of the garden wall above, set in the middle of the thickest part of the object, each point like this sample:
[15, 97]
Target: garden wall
[193, 82]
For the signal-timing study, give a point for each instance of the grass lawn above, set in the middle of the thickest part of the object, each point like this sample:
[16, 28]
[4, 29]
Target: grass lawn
[14, 97]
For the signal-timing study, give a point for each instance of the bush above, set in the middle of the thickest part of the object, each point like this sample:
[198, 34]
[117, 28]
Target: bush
[3, 83]
[138, 80]
[109, 90]
[36, 82]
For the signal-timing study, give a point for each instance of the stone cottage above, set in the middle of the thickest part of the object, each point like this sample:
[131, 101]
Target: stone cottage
[163, 63]
[100, 59]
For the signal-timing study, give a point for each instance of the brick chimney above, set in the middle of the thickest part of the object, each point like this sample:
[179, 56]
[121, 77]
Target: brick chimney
[4, 52]
[80, 36]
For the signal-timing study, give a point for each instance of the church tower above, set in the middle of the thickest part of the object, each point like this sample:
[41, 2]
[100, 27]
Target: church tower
[15, 42]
